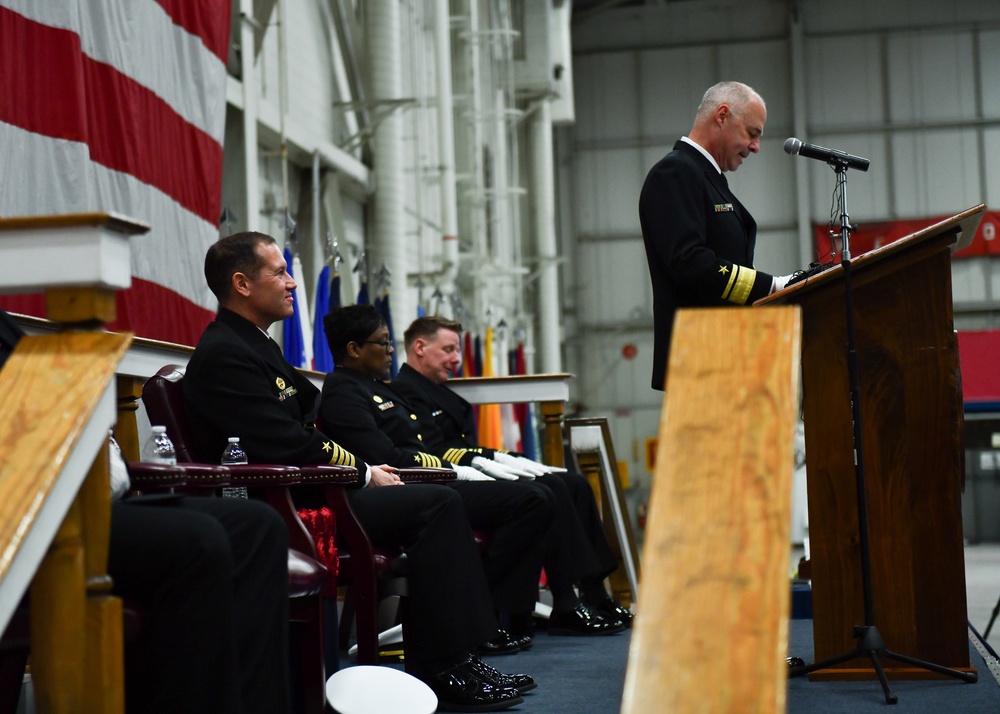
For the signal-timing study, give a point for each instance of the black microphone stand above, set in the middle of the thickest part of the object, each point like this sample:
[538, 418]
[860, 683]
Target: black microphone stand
[869, 641]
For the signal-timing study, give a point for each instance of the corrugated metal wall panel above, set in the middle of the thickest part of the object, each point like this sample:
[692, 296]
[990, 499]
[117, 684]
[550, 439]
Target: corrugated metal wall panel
[991, 161]
[613, 283]
[667, 79]
[845, 82]
[310, 85]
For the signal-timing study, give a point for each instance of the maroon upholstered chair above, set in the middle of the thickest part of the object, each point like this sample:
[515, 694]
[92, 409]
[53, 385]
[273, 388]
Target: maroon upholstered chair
[163, 398]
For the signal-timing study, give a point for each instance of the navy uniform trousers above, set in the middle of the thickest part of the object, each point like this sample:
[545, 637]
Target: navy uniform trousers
[577, 525]
[447, 591]
[210, 575]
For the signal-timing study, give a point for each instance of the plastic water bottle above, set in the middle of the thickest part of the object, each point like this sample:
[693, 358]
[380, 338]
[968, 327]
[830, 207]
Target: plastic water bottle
[160, 449]
[234, 454]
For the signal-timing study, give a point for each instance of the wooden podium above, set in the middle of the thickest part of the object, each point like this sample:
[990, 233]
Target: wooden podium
[912, 424]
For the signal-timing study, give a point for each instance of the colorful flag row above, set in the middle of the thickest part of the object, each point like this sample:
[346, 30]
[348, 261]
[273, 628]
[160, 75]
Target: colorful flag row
[304, 341]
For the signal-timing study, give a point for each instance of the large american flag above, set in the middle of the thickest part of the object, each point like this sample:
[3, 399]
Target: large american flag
[119, 105]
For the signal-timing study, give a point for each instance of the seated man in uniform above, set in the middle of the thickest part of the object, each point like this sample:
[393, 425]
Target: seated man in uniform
[363, 411]
[239, 384]
[582, 555]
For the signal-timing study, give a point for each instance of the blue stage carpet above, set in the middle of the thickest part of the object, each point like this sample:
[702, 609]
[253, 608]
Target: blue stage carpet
[574, 674]
[587, 675]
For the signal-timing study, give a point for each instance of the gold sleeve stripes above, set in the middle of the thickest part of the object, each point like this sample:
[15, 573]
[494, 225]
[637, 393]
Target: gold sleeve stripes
[454, 456]
[339, 456]
[428, 461]
[740, 283]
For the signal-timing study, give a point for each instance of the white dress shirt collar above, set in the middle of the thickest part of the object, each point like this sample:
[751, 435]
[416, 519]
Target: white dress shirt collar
[703, 152]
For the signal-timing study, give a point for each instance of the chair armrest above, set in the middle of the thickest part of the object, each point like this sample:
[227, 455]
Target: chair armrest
[263, 475]
[148, 476]
[329, 474]
[306, 576]
[425, 475]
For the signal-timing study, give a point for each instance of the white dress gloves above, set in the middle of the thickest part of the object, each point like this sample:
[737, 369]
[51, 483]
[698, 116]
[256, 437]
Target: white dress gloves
[467, 473]
[498, 470]
[533, 467]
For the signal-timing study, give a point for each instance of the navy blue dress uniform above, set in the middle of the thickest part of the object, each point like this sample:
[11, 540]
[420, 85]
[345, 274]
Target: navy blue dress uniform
[578, 551]
[370, 418]
[699, 244]
[238, 384]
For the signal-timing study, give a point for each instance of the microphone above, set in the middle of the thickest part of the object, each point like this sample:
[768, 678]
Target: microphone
[831, 156]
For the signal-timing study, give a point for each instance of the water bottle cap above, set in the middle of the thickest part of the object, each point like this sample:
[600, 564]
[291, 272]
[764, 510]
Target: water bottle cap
[159, 429]
[234, 439]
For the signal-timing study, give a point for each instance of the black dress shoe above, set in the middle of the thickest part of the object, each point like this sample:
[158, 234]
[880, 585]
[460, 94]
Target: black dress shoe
[460, 689]
[522, 629]
[502, 644]
[581, 620]
[520, 682]
[611, 609]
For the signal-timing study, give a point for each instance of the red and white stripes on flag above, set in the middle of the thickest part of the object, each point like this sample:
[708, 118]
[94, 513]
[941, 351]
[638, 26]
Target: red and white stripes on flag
[119, 105]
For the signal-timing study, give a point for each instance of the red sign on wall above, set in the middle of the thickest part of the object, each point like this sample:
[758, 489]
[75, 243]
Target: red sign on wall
[874, 235]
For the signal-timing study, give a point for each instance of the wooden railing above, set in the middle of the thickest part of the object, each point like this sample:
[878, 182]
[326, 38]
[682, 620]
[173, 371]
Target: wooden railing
[55, 515]
[59, 404]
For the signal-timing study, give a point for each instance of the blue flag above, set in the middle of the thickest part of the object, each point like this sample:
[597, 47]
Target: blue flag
[322, 359]
[293, 345]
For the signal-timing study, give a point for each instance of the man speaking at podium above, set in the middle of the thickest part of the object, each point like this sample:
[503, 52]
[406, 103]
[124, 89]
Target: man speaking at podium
[699, 238]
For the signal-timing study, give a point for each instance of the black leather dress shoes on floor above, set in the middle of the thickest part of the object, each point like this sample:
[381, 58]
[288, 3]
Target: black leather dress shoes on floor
[521, 682]
[522, 629]
[582, 621]
[502, 644]
[611, 609]
[524, 642]
[460, 689]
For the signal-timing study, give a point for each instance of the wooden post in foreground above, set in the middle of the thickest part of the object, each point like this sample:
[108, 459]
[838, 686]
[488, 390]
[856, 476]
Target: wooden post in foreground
[57, 523]
[713, 631]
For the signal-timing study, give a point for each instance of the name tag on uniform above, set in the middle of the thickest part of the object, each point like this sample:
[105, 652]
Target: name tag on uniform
[723, 207]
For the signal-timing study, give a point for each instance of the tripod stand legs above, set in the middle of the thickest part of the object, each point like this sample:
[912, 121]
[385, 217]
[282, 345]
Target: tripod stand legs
[993, 618]
[871, 645]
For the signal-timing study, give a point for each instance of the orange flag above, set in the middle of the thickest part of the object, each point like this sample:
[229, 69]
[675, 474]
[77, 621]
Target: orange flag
[490, 426]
